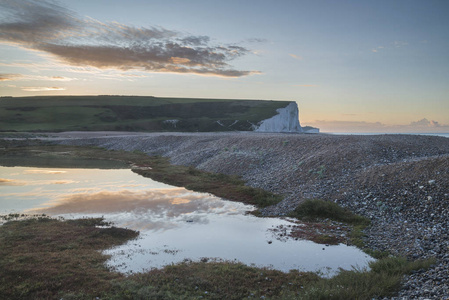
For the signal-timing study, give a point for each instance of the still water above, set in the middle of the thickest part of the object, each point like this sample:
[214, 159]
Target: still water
[175, 224]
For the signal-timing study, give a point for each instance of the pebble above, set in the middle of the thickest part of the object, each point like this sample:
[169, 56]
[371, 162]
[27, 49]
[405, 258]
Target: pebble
[400, 182]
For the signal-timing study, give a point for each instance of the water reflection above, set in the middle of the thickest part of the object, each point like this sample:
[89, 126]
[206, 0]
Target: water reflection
[155, 209]
[175, 223]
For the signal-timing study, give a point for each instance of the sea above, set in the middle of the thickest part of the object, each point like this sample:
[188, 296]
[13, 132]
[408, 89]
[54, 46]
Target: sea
[380, 133]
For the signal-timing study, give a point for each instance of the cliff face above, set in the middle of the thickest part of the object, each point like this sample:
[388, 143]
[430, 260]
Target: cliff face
[287, 120]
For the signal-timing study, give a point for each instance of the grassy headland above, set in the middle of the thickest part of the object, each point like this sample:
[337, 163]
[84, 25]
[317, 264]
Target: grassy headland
[132, 113]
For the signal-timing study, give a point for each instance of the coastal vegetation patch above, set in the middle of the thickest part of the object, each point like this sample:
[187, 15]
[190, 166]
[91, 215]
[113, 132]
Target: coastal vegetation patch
[312, 209]
[44, 258]
[321, 212]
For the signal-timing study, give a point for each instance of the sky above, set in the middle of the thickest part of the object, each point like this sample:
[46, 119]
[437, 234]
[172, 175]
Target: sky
[351, 65]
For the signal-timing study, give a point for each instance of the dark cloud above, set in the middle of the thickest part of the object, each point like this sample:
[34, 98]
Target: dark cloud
[195, 40]
[31, 22]
[48, 27]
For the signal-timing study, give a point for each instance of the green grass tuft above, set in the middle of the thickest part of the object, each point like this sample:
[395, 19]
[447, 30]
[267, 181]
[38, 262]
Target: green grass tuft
[382, 280]
[314, 209]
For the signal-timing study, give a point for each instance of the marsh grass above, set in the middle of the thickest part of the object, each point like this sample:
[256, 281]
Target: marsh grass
[312, 209]
[230, 187]
[53, 259]
[315, 210]
[212, 280]
[382, 280]
[42, 257]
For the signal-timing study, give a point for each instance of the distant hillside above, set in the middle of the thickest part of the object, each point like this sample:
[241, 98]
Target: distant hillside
[133, 113]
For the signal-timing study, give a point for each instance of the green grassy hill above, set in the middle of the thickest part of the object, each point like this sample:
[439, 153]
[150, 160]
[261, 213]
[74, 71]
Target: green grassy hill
[132, 113]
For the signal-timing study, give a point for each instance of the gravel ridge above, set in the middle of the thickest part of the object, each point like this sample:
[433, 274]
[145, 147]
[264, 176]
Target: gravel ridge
[400, 182]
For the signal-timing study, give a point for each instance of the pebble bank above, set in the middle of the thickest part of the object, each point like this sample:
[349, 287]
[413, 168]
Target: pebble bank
[400, 182]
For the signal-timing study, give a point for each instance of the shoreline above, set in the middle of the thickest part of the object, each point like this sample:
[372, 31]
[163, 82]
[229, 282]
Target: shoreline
[400, 182]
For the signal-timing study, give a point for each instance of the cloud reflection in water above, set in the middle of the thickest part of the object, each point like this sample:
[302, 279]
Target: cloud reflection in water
[150, 210]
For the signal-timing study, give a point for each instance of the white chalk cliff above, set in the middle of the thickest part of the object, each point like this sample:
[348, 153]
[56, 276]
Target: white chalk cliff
[287, 120]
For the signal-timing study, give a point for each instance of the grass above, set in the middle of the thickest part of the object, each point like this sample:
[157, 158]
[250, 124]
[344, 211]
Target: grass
[53, 259]
[314, 210]
[226, 186]
[311, 209]
[42, 258]
[131, 113]
[212, 280]
[382, 280]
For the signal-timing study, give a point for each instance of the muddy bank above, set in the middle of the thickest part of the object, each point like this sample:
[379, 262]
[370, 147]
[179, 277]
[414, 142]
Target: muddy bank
[401, 182]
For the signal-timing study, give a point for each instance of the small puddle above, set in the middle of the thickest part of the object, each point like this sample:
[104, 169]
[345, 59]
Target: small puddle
[175, 224]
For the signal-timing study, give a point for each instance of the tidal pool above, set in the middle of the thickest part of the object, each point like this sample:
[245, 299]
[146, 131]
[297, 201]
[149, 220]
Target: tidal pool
[175, 224]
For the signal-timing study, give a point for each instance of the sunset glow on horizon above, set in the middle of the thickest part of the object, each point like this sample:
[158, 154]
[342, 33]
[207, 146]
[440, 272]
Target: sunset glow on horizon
[352, 66]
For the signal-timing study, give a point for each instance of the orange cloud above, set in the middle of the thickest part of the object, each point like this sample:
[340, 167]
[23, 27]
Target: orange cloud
[44, 172]
[4, 181]
[9, 77]
[41, 88]
[179, 60]
[298, 57]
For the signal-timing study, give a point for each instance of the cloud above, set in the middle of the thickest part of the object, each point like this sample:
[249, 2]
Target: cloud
[298, 57]
[41, 88]
[9, 77]
[256, 40]
[14, 182]
[21, 77]
[52, 78]
[395, 44]
[37, 171]
[30, 65]
[377, 49]
[425, 123]
[399, 44]
[55, 30]
[5, 181]
[306, 85]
